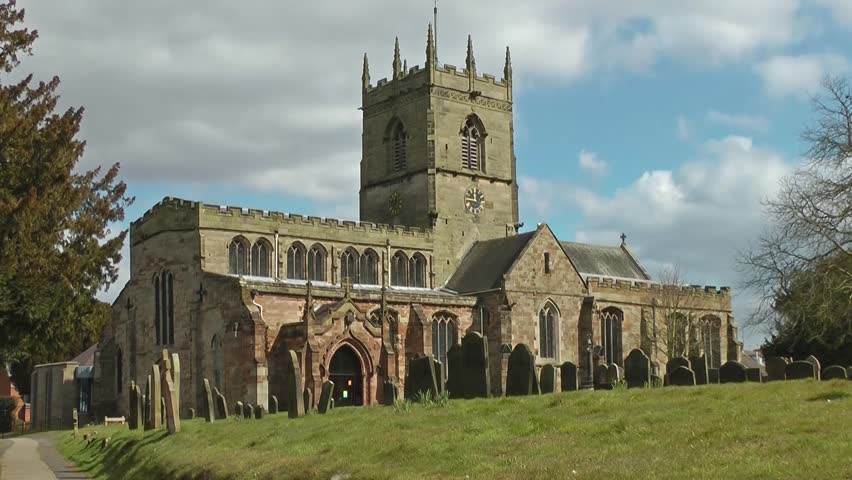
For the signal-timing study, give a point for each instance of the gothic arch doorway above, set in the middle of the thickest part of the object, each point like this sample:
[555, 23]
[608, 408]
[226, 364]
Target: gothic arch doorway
[345, 371]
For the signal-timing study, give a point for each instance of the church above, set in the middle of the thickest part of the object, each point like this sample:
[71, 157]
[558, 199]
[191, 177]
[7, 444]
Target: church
[439, 251]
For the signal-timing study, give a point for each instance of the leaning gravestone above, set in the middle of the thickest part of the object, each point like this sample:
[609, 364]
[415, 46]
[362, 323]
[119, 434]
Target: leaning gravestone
[754, 375]
[455, 374]
[295, 400]
[238, 409]
[682, 376]
[258, 412]
[170, 399]
[308, 398]
[176, 376]
[775, 368]
[713, 376]
[834, 371]
[221, 405]
[732, 372]
[602, 380]
[422, 377]
[548, 379]
[156, 418]
[637, 369]
[326, 399]
[813, 360]
[390, 392]
[520, 378]
[439, 375]
[800, 370]
[273, 404]
[476, 373]
[207, 398]
[698, 365]
[248, 410]
[568, 377]
[676, 362]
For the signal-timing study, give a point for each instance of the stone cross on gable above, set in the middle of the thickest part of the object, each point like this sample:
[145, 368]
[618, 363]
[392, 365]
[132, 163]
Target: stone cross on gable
[623, 238]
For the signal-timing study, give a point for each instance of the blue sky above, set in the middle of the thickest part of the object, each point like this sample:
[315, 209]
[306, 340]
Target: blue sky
[664, 119]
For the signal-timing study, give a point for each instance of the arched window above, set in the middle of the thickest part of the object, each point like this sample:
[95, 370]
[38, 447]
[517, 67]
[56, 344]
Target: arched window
[417, 271]
[296, 261]
[164, 308]
[399, 149]
[443, 338]
[472, 144]
[316, 263]
[261, 253]
[611, 321]
[399, 269]
[238, 257]
[547, 318]
[711, 340]
[675, 335]
[369, 273]
[119, 373]
[349, 266]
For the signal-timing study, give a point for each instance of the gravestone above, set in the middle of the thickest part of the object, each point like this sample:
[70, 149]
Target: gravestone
[248, 410]
[834, 371]
[138, 408]
[800, 370]
[713, 376]
[132, 424]
[568, 377]
[753, 375]
[207, 398]
[637, 369]
[146, 409]
[422, 377]
[326, 400]
[732, 372]
[155, 396]
[476, 373]
[682, 376]
[221, 405]
[191, 413]
[817, 368]
[455, 372]
[521, 378]
[171, 404]
[439, 375]
[676, 362]
[75, 417]
[258, 412]
[163, 409]
[616, 374]
[238, 409]
[295, 400]
[390, 392]
[776, 368]
[698, 365]
[273, 404]
[548, 379]
[602, 381]
[308, 397]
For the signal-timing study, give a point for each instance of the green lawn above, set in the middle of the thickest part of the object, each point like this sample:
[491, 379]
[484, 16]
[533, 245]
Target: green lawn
[799, 429]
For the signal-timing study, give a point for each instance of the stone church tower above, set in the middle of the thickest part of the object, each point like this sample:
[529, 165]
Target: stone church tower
[438, 153]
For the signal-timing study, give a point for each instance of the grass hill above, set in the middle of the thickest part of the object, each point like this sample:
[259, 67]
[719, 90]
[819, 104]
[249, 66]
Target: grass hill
[800, 429]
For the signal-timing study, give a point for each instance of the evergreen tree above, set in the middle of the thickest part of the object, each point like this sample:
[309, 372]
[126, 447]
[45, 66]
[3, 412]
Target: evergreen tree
[56, 247]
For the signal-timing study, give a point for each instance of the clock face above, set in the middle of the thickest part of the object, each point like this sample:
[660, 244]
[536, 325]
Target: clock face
[395, 203]
[474, 200]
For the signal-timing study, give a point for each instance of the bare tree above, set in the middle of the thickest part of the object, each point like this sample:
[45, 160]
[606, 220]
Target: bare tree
[677, 325]
[811, 218]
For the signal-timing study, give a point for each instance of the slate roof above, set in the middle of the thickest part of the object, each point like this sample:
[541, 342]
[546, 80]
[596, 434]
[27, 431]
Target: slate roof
[599, 260]
[486, 262]
[87, 358]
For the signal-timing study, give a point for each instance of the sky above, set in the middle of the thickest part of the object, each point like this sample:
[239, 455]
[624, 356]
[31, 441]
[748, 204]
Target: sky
[667, 120]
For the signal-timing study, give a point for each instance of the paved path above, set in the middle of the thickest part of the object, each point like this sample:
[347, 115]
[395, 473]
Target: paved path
[33, 457]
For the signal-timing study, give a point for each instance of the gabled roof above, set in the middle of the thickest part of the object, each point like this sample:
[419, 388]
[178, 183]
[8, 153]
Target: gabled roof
[87, 358]
[600, 260]
[486, 262]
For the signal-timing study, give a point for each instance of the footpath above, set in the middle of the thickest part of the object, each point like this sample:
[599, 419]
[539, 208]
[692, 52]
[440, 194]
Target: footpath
[34, 457]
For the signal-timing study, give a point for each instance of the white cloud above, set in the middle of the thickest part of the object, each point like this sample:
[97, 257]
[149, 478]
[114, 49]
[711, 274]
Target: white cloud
[590, 162]
[738, 121]
[841, 10]
[683, 130]
[799, 75]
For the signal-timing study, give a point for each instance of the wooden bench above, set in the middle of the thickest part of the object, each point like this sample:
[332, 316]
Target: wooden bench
[116, 420]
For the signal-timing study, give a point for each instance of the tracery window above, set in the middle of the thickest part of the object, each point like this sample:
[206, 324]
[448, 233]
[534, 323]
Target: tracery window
[164, 308]
[399, 149]
[316, 263]
[711, 340]
[417, 271]
[238, 256]
[296, 261]
[611, 321]
[349, 266]
[444, 336]
[399, 269]
[261, 252]
[369, 272]
[547, 318]
[472, 145]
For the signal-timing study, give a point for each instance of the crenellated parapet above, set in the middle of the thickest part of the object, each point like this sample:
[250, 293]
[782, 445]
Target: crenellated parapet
[596, 283]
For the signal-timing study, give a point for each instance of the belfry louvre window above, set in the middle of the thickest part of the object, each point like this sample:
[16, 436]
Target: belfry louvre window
[399, 148]
[547, 318]
[472, 145]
